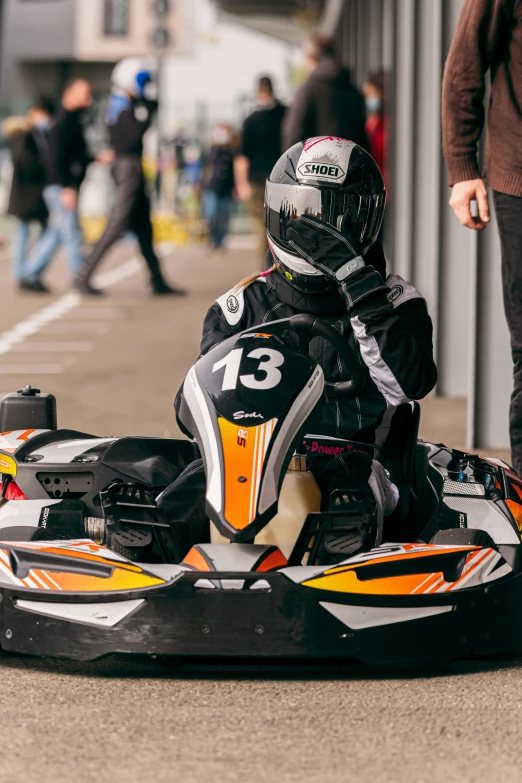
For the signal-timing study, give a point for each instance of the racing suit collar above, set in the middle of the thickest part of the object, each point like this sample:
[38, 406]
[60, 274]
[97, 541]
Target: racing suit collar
[331, 303]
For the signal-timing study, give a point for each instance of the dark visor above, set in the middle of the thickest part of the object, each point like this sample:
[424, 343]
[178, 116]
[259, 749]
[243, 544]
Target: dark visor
[353, 215]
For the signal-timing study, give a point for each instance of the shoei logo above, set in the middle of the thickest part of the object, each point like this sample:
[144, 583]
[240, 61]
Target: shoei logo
[232, 304]
[322, 170]
[395, 293]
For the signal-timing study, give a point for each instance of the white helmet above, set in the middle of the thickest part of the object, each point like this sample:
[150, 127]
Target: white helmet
[132, 74]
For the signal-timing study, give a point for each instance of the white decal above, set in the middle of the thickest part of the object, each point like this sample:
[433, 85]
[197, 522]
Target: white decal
[232, 362]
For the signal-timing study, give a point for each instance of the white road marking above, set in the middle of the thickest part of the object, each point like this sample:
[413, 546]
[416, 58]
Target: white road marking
[33, 323]
[56, 347]
[56, 310]
[113, 276]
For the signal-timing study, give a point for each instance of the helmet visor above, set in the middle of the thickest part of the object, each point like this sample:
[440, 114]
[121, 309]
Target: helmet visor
[357, 216]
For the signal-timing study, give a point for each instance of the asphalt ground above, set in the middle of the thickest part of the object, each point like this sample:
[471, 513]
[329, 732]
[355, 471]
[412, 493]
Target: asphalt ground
[114, 365]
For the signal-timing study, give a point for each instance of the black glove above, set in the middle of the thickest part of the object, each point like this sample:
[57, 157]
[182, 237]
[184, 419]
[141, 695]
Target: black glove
[325, 248]
[339, 258]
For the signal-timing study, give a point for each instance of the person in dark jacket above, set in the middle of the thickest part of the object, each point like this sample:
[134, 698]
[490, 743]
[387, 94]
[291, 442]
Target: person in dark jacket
[27, 137]
[340, 276]
[128, 118]
[67, 158]
[328, 103]
[219, 176]
[260, 149]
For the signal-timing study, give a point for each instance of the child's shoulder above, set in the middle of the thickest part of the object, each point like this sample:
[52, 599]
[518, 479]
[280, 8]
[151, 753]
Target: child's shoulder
[232, 304]
[401, 290]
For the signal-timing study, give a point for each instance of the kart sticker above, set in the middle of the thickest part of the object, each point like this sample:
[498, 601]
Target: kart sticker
[123, 575]
[244, 458]
[12, 440]
[481, 566]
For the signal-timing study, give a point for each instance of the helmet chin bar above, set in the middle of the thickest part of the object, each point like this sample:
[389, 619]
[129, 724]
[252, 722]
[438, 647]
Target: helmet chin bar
[299, 273]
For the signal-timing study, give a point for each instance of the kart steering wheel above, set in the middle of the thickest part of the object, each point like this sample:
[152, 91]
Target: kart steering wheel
[309, 326]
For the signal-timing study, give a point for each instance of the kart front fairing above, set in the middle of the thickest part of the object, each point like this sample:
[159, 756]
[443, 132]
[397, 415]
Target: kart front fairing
[401, 602]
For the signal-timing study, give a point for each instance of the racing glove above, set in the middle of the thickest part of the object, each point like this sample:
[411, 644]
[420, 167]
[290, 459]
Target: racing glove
[338, 256]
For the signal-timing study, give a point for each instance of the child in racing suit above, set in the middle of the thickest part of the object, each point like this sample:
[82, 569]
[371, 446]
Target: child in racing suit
[340, 276]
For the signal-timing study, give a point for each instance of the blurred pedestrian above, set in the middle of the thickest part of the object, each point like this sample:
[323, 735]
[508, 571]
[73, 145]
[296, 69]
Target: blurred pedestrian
[488, 38]
[373, 91]
[219, 178]
[28, 147]
[328, 103]
[66, 159]
[129, 116]
[260, 149]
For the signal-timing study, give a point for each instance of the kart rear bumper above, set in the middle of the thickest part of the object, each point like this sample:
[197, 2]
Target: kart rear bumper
[276, 619]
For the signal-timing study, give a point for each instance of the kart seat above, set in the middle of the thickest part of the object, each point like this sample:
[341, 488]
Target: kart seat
[398, 457]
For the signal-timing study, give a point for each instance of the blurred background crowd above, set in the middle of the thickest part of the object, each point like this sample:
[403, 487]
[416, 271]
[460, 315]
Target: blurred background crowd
[224, 115]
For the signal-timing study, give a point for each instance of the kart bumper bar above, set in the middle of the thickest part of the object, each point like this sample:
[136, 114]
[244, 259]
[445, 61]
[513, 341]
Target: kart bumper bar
[263, 616]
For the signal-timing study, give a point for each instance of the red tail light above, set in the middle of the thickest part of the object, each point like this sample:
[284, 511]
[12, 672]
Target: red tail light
[13, 491]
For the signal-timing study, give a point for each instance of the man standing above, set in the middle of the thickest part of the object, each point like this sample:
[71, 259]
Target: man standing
[327, 104]
[66, 160]
[489, 37]
[260, 149]
[128, 118]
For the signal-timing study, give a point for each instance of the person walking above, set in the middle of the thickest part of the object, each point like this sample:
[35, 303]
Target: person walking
[129, 116]
[489, 38]
[219, 176]
[328, 103]
[66, 159]
[260, 149]
[26, 201]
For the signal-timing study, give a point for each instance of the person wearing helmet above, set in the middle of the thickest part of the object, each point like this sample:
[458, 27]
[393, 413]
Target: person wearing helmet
[129, 115]
[324, 206]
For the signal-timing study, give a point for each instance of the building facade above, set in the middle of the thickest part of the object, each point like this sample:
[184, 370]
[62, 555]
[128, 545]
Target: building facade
[46, 42]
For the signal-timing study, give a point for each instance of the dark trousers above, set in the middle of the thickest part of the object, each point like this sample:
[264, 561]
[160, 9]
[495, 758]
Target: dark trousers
[131, 212]
[184, 500]
[509, 218]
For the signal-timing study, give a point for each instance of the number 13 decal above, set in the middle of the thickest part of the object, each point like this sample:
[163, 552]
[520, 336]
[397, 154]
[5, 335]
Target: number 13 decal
[272, 360]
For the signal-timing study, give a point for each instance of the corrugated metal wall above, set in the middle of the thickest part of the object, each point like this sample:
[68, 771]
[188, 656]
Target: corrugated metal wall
[457, 270]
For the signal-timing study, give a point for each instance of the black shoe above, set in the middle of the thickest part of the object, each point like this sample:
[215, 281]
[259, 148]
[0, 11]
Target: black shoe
[161, 288]
[35, 286]
[86, 289]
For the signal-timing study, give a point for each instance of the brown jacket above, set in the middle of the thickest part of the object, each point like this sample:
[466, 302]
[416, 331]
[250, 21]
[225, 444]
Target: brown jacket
[488, 37]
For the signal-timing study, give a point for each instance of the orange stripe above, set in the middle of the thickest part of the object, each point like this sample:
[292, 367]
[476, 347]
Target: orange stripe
[25, 435]
[402, 556]
[80, 556]
[196, 560]
[470, 570]
[274, 560]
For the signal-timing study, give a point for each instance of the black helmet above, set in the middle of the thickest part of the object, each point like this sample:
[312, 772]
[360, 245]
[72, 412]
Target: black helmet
[335, 180]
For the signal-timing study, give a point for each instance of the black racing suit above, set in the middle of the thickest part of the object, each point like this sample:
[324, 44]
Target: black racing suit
[131, 210]
[389, 328]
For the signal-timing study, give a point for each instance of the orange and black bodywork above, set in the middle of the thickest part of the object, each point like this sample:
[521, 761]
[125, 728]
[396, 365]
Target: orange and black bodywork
[268, 611]
[248, 402]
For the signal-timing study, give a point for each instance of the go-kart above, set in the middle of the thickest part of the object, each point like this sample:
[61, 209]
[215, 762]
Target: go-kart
[90, 563]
